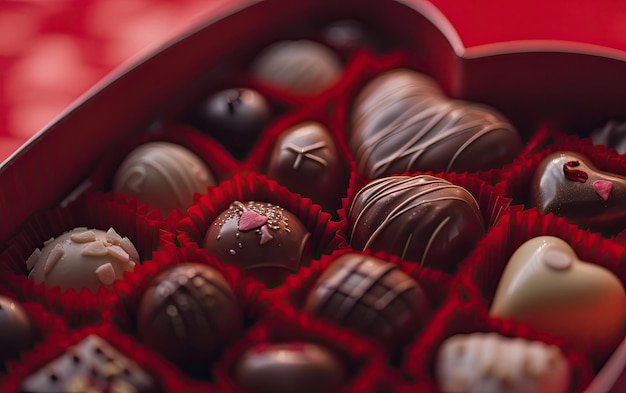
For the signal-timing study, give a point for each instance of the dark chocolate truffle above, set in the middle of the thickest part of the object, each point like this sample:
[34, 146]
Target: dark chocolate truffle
[303, 67]
[92, 365]
[83, 258]
[295, 367]
[423, 219]
[569, 185]
[16, 329]
[371, 296]
[189, 314]
[612, 135]
[258, 235]
[402, 122]
[306, 160]
[235, 117]
[164, 175]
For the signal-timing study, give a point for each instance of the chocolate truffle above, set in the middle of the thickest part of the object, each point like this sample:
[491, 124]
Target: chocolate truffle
[569, 185]
[16, 329]
[612, 135]
[189, 314]
[491, 363]
[92, 365]
[303, 67]
[306, 160]
[258, 235]
[164, 175]
[422, 219]
[371, 296]
[402, 122]
[235, 117]
[546, 286]
[294, 367]
[83, 258]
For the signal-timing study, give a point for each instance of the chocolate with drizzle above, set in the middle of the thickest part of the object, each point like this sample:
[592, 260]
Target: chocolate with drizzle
[422, 218]
[402, 122]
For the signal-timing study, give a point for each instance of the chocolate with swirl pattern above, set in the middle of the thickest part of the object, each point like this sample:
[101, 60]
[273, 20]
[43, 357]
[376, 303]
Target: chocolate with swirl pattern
[423, 219]
[403, 122]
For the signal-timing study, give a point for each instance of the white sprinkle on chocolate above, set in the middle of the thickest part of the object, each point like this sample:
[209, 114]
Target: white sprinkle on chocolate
[128, 246]
[113, 237]
[94, 249]
[106, 274]
[118, 254]
[32, 259]
[55, 256]
[232, 252]
[83, 237]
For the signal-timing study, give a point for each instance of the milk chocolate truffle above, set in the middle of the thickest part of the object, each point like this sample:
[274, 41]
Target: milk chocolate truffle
[569, 185]
[304, 67]
[235, 117]
[422, 219]
[92, 365]
[612, 135]
[164, 175]
[189, 314]
[83, 258]
[490, 363]
[294, 367]
[306, 160]
[371, 296]
[547, 286]
[402, 122]
[258, 235]
[16, 329]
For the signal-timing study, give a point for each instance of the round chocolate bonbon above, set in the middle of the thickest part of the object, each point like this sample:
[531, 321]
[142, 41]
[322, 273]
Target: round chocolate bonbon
[16, 329]
[422, 218]
[164, 175]
[189, 314]
[292, 367]
[371, 296]
[83, 258]
[402, 122]
[306, 160]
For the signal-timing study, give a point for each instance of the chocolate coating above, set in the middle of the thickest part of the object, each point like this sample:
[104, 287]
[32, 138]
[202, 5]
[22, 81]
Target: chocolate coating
[164, 175]
[490, 363]
[83, 258]
[402, 122]
[612, 135]
[423, 219]
[371, 296]
[569, 185]
[306, 160]
[189, 314]
[235, 117]
[16, 329]
[295, 367]
[258, 235]
[92, 365]
[304, 67]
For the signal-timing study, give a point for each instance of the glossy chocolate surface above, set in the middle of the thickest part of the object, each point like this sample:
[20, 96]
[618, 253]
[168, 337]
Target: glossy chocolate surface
[92, 365]
[83, 258]
[306, 160]
[16, 329]
[164, 175]
[189, 314]
[402, 122]
[258, 235]
[491, 363]
[371, 296]
[423, 219]
[546, 286]
[302, 67]
[294, 367]
[569, 185]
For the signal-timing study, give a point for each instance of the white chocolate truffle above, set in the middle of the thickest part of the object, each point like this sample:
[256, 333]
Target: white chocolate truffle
[83, 258]
[164, 175]
[303, 66]
[490, 363]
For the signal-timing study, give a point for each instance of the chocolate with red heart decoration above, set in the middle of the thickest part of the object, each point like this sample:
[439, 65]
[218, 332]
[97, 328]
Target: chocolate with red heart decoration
[568, 184]
[547, 286]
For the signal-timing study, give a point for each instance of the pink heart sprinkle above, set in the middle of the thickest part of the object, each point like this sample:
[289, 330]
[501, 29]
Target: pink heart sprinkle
[250, 220]
[603, 188]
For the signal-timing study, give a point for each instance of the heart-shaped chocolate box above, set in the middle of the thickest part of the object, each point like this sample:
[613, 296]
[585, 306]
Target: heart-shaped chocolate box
[570, 87]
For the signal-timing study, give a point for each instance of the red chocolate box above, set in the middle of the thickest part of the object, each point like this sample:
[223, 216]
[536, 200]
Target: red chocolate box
[572, 87]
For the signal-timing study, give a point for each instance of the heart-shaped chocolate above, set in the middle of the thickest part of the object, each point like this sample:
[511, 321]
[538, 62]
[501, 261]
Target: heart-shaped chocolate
[569, 185]
[546, 285]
